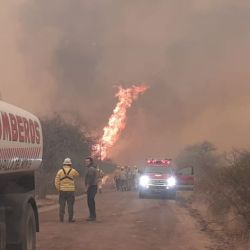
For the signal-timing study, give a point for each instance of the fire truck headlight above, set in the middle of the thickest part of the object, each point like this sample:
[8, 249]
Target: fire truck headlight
[171, 181]
[144, 180]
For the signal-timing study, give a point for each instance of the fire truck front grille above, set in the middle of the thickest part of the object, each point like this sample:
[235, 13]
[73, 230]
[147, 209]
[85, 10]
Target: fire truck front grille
[159, 182]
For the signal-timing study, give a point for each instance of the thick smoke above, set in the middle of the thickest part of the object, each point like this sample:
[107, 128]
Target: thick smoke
[66, 56]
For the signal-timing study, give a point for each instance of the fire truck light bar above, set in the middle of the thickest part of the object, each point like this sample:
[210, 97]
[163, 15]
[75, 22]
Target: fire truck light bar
[159, 162]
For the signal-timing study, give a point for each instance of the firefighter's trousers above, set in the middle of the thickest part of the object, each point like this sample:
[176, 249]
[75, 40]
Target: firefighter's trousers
[66, 197]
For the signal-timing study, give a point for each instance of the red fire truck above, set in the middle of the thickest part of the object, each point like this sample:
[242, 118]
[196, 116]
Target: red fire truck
[158, 178]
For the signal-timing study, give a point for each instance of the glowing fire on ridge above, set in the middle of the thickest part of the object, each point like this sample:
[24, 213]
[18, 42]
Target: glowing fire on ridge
[117, 121]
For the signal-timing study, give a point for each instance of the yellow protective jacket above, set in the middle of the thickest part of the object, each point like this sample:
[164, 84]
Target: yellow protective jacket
[64, 180]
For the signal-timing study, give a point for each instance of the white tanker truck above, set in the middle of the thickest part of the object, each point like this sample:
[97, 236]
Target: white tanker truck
[21, 146]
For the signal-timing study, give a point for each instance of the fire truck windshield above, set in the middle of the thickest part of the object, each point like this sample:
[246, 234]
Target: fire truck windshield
[158, 169]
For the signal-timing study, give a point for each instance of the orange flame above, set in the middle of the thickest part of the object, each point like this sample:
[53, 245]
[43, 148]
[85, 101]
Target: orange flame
[117, 121]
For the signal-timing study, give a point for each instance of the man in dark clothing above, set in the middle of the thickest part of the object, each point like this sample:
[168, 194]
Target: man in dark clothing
[91, 182]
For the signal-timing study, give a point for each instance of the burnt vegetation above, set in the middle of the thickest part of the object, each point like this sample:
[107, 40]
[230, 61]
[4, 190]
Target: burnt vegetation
[223, 182]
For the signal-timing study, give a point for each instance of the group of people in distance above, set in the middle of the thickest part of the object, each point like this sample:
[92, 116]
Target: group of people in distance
[126, 178]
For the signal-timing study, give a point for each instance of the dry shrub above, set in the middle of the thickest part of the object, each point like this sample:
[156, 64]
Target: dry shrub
[227, 188]
[223, 180]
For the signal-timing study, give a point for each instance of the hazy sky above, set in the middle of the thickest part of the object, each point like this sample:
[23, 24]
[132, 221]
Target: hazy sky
[67, 55]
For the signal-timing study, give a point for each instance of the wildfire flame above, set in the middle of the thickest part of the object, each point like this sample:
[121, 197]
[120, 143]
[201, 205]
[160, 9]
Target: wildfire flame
[117, 121]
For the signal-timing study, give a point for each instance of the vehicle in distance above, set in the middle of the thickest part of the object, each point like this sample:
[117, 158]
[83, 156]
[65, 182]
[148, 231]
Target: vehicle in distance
[158, 178]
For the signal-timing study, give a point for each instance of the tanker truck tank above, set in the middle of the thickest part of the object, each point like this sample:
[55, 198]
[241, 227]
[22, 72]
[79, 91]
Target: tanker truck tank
[21, 148]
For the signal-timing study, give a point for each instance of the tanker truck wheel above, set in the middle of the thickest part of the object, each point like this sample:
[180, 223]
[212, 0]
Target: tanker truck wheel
[29, 230]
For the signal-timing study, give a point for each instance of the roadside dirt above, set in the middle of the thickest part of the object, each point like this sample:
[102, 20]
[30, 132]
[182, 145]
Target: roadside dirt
[220, 238]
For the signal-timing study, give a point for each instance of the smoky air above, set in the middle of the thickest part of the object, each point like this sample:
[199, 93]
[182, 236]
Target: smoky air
[67, 56]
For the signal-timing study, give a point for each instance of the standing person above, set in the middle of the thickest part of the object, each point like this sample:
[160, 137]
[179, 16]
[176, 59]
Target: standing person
[65, 184]
[133, 176]
[123, 178]
[137, 177]
[91, 182]
[100, 179]
[117, 178]
[129, 179]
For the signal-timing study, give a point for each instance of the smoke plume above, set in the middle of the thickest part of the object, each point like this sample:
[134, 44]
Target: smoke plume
[66, 56]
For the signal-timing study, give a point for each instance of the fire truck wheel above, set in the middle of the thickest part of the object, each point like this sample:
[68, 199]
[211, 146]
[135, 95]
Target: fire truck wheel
[29, 230]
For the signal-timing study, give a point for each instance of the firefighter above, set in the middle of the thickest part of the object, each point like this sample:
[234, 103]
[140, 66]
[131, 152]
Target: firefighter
[91, 182]
[100, 179]
[129, 179]
[123, 178]
[65, 184]
[126, 169]
[117, 178]
[136, 177]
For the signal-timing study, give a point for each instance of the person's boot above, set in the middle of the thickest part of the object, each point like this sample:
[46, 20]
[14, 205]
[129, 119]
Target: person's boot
[91, 219]
[72, 221]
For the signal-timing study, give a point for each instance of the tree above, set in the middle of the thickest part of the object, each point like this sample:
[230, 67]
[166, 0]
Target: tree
[108, 166]
[61, 139]
[223, 181]
[230, 187]
[201, 156]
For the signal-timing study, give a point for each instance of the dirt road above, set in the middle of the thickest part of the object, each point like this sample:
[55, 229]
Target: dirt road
[124, 222]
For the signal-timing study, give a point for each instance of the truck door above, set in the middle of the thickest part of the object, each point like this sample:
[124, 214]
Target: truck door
[185, 178]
